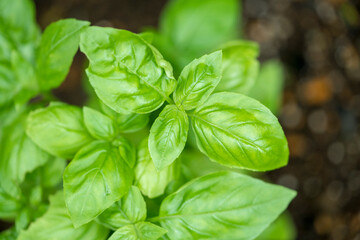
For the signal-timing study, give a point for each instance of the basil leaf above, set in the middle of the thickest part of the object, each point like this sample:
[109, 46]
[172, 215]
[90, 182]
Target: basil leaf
[151, 182]
[127, 73]
[223, 205]
[18, 154]
[95, 179]
[8, 83]
[281, 229]
[27, 85]
[58, 129]
[238, 131]
[193, 28]
[9, 234]
[126, 149]
[10, 198]
[130, 209]
[168, 136]
[99, 125]
[239, 66]
[198, 80]
[18, 25]
[139, 231]
[126, 123]
[51, 173]
[147, 36]
[269, 85]
[58, 46]
[56, 224]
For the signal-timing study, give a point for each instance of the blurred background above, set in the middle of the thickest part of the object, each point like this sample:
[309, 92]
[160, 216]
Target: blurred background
[318, 42]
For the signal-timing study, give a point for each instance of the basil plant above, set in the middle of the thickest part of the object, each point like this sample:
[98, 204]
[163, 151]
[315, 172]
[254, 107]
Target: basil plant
[127, 169]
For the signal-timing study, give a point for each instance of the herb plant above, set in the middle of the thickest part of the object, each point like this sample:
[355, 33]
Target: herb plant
[127, 176]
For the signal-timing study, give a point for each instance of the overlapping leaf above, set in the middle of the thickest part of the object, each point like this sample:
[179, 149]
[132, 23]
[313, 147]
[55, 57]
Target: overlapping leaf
[222, 205]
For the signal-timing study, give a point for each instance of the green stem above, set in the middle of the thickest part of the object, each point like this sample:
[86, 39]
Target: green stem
[169, 100]
[154, 219]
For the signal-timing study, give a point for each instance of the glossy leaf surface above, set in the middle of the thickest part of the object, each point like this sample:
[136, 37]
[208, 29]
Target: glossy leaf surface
[95, 179]
[127, 73]
[150, 181]
[58, 45]
[239, 66]
[223, 205]
[138, 231]
[58, 129]
[129, 210]
[238, 131]
[168, 136]
[99, 125]
[56, 224]
[198, 80]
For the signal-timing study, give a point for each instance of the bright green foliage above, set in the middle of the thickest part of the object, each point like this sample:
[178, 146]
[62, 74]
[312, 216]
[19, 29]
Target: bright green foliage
[126, 123]
[150, 181]
[129, 210]
[58, 46]
[139, 231]
[18, 154]
[10, 197]
[94, 180]
[238, 131]
[127, 73]
[198, 80]
[99, 125]
[109, 173]
[189, 29]
[269, 85]
[31, 63]
[239, 66]
[234, 200]
[65, 125]
[168, 136]
[56, 224]
[281, 229]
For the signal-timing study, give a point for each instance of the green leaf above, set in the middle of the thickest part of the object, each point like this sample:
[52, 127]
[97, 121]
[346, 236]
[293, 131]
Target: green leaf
[56, 224]
[147, 36]
[18, 153]
[223, 205]
[58, 129]
[17, 23]
[27, 85]
[151, 182]
[127, 73]
[129, 210]
[10, 198]
[269, 85]
[9, 234]
[8, 83]
[193, 28]
[126, 123]
[96, 178]
[168, 136]
[198, 80]
[126, 149]
[138, 231]
[239, 66]
[51, 173]
[238, 131]
[282, 228]
[58, 46]
[99, 125]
